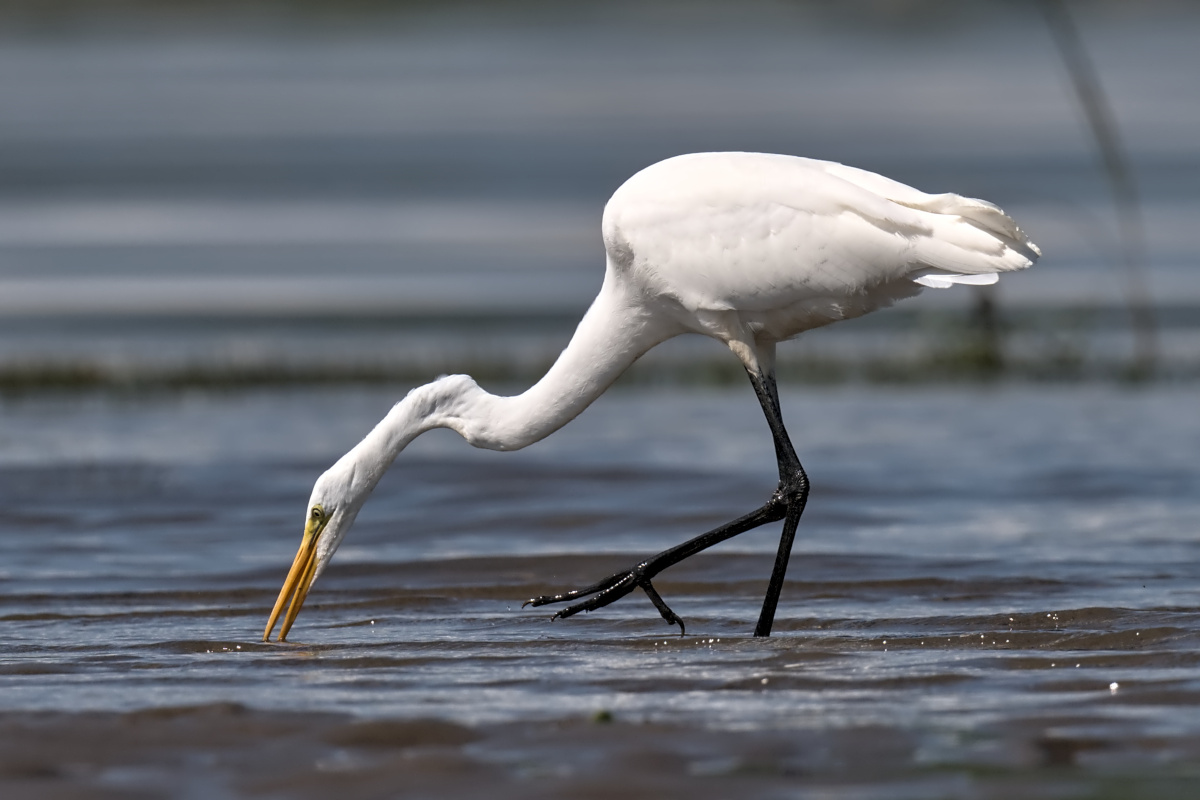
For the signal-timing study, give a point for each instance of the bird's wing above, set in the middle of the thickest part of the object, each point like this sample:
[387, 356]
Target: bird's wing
[972, 258]
[751, 231]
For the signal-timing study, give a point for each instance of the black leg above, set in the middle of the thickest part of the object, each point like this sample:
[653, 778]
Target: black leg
[616, 586]
[787, 503]
[793, 492]
[766, 617]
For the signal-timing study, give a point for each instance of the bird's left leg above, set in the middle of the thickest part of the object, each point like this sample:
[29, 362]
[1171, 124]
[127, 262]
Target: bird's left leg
[616, 586]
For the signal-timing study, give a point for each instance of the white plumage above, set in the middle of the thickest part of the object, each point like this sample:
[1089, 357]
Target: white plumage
[748, 248]
[792, 243]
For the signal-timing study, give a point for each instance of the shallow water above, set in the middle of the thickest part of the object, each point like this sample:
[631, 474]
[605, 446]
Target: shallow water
[991, 580]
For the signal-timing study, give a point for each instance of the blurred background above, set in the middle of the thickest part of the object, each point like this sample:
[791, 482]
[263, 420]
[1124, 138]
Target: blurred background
[215, 194]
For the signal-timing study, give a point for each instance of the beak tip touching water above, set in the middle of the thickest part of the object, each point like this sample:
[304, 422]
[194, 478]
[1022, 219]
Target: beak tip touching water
[296, 586]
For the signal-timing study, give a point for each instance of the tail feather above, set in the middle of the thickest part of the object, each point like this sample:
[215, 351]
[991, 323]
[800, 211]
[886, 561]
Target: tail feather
[968, 241]
[986, 217]
[955, 247]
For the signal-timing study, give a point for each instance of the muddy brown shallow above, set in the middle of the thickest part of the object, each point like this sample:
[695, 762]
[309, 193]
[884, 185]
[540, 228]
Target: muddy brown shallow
[227, 750]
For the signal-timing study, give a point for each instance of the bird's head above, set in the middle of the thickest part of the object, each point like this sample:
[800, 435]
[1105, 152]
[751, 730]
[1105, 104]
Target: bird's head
[338, 495]
[335, 501]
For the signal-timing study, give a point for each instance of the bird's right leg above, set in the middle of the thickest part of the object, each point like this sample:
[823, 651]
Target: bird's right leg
[792, 492]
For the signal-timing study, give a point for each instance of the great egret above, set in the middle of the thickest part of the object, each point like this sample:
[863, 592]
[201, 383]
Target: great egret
[748, 248]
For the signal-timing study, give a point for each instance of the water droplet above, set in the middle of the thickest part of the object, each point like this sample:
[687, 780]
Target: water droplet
[1112, 687]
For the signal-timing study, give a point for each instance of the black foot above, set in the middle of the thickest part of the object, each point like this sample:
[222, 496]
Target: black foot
[607, 591]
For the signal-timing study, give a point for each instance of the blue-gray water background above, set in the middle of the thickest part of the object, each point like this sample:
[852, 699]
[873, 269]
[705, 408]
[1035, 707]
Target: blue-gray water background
[228, 244]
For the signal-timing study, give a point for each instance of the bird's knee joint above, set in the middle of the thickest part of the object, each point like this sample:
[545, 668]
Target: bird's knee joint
[792, 488]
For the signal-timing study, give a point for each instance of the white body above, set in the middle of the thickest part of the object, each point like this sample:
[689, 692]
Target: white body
[738, 245]
[747, 248]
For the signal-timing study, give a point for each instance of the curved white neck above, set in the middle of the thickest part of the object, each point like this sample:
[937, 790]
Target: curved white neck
[612, 335]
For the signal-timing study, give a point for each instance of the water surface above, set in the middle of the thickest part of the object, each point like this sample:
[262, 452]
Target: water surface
[991, 581]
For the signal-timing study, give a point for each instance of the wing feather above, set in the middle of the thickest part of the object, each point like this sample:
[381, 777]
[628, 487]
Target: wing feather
[752, 231]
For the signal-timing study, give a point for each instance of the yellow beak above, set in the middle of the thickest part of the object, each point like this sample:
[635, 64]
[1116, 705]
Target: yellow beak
[299, 579]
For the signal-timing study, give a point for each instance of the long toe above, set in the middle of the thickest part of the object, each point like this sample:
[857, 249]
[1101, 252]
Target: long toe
[599, 600]
[598, 586]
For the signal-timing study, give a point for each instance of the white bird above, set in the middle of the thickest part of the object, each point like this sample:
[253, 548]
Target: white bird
[748, 248]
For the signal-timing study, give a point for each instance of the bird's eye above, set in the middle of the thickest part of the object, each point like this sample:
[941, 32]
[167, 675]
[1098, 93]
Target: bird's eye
[317, 512]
